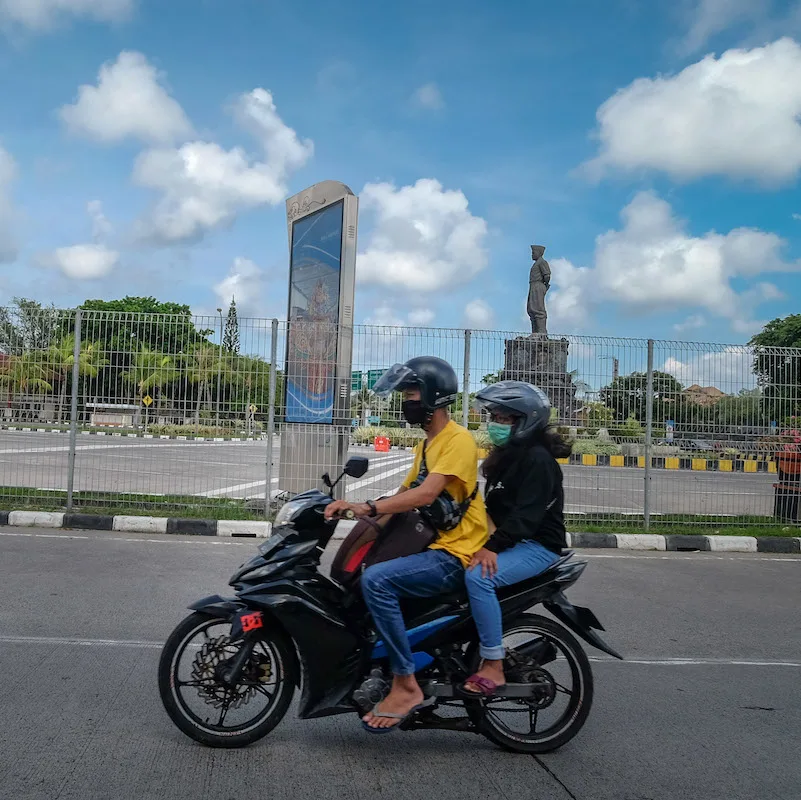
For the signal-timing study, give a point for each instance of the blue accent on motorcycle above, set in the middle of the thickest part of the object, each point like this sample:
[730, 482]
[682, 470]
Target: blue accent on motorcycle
[421, 660]
[416, 635]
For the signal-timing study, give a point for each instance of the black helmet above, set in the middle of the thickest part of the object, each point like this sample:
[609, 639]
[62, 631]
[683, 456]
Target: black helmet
[518, 399]
[435, 378]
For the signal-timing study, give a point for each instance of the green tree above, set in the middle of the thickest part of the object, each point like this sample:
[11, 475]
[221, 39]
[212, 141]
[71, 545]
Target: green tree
[777, 368]
[60, 358]
[28, 325]
[744, 408]
[25, 374]
[492, 377]
[202, 370]
[231, 335]
[151, 372]
[123, 327]
[626, 396]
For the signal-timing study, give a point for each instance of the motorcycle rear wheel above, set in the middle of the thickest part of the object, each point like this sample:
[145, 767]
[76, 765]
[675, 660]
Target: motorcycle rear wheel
[276, 657]
[482, 712]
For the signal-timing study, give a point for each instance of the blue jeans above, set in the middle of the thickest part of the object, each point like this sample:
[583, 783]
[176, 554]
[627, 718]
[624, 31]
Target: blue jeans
[524, 560]
[425, 574]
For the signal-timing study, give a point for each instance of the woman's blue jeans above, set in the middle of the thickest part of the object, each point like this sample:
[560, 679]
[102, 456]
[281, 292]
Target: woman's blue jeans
[524, 560]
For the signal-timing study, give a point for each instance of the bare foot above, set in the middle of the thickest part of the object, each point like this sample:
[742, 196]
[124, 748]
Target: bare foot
[404, 696]
[492, 671]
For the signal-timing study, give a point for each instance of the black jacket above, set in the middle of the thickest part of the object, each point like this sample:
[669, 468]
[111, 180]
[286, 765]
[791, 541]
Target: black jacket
[526, 501]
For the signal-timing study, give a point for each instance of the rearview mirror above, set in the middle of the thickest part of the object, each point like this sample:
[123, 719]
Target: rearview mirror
[357, 466]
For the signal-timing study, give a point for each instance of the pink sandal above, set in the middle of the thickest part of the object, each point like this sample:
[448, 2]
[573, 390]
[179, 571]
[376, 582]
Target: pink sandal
[487, 688]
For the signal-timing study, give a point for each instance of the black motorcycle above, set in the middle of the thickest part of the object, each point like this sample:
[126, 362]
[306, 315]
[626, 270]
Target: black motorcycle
[228, 672]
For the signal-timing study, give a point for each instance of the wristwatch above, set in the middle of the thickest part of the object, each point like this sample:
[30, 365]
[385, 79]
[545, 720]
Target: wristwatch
[373, 509]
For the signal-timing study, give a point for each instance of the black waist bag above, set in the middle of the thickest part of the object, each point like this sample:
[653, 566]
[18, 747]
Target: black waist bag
[381, 539]
[445, 513]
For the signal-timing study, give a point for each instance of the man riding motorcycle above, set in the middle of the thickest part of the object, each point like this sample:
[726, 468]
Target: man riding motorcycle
[445, 469]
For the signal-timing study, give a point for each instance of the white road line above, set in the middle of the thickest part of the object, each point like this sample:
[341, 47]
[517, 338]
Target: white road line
[229, 489]
[696, 662]
[647, 662]
[125, 446]
[376, 478]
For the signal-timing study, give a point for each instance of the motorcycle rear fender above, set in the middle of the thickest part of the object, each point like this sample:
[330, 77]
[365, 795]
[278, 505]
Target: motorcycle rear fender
[580, 620]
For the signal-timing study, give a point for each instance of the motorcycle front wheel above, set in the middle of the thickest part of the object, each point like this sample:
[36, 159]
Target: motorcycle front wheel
[564, 690]
[202, 705]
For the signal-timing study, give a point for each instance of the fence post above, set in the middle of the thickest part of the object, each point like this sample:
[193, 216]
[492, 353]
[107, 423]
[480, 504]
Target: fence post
[649, 427]
[76, 373]
[466, 384]
[271, 417]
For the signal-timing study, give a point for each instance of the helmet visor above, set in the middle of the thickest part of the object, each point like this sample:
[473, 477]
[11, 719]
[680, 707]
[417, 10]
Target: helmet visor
[395, 379]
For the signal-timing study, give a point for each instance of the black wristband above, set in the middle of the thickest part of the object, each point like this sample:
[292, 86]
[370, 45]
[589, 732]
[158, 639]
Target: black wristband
[373, 509]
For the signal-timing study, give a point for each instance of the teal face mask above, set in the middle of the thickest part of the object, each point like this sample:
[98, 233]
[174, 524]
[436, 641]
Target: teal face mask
[499, 434]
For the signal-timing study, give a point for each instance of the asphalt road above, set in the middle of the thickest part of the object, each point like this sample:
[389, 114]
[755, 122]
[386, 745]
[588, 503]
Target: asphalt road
[707, 705]
[237, 469]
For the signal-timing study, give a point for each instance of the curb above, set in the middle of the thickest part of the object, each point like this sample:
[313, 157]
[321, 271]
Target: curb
[115, 435]
[673, 463]
[255, 529]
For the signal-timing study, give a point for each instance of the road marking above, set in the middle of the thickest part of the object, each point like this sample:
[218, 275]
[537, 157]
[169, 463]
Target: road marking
[646, 662]
[696, 662]
[237, 488]
[407, 462]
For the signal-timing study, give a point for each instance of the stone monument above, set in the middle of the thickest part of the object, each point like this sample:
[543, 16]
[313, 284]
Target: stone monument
[537, 359]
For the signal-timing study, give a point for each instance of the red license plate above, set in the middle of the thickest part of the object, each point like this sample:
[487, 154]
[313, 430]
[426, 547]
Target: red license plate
[252, 622]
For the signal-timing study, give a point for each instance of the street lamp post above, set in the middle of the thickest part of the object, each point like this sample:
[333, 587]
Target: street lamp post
[219, 366]
[615, 365]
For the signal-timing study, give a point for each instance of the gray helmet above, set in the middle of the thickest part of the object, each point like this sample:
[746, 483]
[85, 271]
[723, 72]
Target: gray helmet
[518, 399]
[435, 378]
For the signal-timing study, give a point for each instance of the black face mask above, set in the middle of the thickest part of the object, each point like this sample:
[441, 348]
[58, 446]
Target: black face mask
[413, 412]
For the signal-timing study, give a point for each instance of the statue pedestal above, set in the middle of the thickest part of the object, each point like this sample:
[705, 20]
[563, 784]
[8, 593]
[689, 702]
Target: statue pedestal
[543, 362]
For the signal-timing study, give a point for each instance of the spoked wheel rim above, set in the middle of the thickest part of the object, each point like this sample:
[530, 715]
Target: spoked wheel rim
[526, 720]
[205, 700]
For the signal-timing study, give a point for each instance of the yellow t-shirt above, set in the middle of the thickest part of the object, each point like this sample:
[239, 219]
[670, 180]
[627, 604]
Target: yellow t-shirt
[453, 452]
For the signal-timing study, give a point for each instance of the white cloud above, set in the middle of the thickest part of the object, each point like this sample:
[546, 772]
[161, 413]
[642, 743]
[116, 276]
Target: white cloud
[101, 227]
[738, 115]
[710, 17]
[244, 283]
[422, 317]
[567, 300]
[653, 264]
[129, 101]
[8, 239]
[478, 314]
[797, 217]
[386, 315]
[42, 15]
[424, 238]
[429, 97]
[692, 323]
[204, 186]
[729, 368]
[84, 261]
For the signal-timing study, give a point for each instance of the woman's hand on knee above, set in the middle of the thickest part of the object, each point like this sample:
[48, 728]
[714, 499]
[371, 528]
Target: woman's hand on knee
[487, 560]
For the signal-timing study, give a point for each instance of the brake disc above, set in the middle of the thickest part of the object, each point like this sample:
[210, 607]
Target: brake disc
[207, 666]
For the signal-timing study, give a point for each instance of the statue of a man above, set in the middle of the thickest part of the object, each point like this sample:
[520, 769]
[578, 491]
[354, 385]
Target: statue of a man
[539, 281]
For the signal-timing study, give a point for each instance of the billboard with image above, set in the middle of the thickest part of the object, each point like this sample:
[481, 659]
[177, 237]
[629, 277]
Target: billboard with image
[314, 298]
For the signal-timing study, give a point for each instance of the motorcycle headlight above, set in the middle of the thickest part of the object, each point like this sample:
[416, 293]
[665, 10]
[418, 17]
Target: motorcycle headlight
[287, 511]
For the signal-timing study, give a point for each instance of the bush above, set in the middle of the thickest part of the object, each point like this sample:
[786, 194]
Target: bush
[203, 431]
[596, 447]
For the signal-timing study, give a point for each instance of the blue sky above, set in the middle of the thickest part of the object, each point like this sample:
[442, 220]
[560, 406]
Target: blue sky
[147, 148]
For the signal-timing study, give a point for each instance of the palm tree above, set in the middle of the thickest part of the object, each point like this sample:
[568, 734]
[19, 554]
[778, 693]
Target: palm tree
[26, 373]
[61, 358]
[202, 368]
[151, 371]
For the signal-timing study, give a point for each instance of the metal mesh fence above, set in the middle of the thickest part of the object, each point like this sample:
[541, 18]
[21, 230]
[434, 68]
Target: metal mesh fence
[185, 415]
